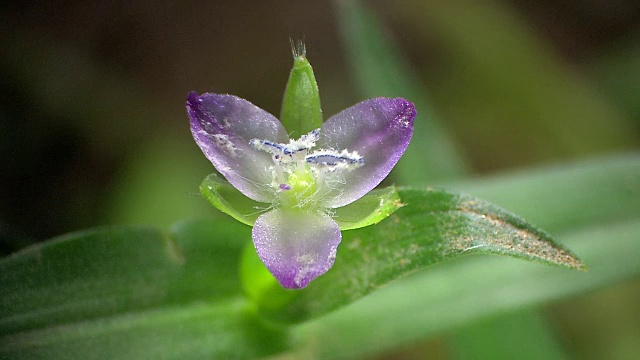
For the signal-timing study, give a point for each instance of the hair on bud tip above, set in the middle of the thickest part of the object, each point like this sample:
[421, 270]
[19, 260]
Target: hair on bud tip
[298, 48]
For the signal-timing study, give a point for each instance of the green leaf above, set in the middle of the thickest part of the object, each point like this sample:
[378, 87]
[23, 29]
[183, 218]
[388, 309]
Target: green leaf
[576, 195]
[435, 225]
[301, 112]
[226, 198]
[523, 335]
[368, 210]
[132, 293]
[380, 70]
[208, 330]
[464, 290]
[108, 271]
[595, 205]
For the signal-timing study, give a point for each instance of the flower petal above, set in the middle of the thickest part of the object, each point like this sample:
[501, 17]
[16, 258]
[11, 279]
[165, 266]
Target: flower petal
[222, 126]
[296, 246]
[379, 130]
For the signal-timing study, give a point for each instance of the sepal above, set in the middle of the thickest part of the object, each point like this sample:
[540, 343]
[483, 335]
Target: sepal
[226, 198]
[369, 209]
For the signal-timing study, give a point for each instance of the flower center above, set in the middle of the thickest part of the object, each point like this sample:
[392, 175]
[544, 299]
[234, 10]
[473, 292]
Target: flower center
[303, 178]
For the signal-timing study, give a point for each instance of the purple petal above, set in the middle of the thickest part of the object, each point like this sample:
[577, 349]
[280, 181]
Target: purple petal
[296, 246]
[379, 130]
[222, 126]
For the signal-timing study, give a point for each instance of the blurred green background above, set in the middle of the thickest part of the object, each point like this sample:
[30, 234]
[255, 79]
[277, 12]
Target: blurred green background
[93, 129]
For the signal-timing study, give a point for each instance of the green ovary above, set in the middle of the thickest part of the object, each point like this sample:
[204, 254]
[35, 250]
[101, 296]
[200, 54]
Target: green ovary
[303, 188]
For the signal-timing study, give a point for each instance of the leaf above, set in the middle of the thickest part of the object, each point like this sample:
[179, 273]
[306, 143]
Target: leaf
[465, 290]
[593, 202]
[524, 335]
[565, 197]
[380, 70]
[207, 330]
[434, 226]
[132, 293]
[110, 271]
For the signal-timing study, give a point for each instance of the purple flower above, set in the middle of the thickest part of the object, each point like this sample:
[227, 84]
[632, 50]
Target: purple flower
[301, 181]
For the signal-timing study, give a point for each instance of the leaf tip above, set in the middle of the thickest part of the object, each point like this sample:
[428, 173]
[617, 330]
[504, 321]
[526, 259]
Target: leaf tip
[582, 266]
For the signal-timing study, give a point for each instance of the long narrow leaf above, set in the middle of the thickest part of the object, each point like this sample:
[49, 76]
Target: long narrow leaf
[434, 226]
[115, 270]
[459, 292]
[216, 330]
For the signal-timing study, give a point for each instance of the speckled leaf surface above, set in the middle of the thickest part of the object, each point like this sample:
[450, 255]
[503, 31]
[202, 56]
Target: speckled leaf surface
[465, 290]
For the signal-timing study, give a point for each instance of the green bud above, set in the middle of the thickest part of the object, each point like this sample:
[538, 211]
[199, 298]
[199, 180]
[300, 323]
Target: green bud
[301, 112]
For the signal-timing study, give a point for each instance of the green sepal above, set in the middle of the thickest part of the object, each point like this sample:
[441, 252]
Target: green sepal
[226, 198]
[301, 112]
[368, 210]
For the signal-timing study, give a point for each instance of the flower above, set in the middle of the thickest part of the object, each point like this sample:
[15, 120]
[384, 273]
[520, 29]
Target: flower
[300, 181]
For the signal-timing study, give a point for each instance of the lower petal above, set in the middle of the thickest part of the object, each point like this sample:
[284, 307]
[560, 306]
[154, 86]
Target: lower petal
[296, 246]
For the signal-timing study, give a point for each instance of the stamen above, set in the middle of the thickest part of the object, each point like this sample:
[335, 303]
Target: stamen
[269, 146]
[305, 142]
[333, 159]
[302, 178]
